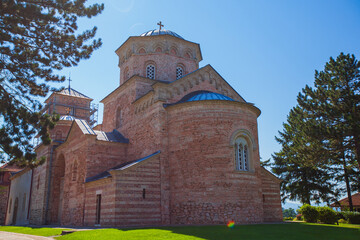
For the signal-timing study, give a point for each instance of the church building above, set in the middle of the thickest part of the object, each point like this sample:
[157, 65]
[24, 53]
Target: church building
[177, 145]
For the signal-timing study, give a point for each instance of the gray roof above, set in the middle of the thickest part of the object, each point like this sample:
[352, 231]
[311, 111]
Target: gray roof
[113, 136]
[120, 167]
[73, 93]
[160, 32]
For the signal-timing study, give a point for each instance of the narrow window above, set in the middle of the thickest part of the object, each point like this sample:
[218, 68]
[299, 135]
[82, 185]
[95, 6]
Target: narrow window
[10, 205]
[24, 202]
[126, 73]
[98, 208]
[144, 193]
[242, 155]
[263, 197]
[179, 72]
[118, 118]
[150, 71]
[1, 177]
[74, 171]
[38, 182]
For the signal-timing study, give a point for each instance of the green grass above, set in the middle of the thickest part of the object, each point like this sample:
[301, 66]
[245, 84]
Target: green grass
[293, 231]
[33, 230]
[286, 231]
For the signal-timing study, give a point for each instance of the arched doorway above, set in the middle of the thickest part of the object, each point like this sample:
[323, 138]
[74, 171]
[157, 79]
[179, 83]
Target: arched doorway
[56, 192]
[16, 206]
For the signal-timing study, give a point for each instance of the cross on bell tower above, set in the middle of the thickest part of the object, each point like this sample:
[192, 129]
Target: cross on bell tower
[69, 82]
[160, 25]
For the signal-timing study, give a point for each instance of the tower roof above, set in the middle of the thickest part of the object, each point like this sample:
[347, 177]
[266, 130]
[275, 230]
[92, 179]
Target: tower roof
[73, 93]
[160, 32]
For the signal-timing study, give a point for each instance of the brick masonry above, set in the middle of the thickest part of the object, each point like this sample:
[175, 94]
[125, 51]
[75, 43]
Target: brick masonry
[193, 180]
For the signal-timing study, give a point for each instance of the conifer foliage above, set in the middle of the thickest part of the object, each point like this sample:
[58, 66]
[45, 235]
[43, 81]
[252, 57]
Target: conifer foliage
[37, 38]
[320, 155]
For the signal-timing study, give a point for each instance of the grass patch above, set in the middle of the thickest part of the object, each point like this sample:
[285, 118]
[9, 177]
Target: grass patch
[41, 231]
[293, 231]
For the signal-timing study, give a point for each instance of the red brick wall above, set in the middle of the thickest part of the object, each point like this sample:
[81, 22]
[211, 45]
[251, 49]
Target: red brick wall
[205, 187]
[101, 156]
[165, 65]
[122, 202]
[105, 187]
[4, 192]
[271, 197]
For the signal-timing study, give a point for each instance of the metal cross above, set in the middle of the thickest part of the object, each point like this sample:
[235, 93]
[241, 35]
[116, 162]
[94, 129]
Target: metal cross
[69, 81]
[160, 25]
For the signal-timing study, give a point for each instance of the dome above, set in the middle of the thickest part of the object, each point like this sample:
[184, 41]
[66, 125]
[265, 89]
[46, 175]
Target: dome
[67, 118]
[202, 96]
[160, 32]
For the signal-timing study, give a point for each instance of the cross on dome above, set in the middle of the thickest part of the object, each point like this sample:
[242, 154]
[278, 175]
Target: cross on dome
[160, 25]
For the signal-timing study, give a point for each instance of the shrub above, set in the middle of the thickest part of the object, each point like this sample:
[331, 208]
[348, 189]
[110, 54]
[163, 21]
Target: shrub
[352, 217]
[299, 217]
[343, 221]
[288, 218]
[310, 213]
[327, 215]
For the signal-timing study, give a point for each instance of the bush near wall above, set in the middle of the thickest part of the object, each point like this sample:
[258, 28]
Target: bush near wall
[309, 213]
[351, 217]
[327, 215]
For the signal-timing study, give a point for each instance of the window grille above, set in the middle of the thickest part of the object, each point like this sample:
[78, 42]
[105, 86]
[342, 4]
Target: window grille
[179, 72]
[150, 71]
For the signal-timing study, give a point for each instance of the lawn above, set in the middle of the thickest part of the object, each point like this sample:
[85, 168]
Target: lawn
[286, 231]
[42, 231]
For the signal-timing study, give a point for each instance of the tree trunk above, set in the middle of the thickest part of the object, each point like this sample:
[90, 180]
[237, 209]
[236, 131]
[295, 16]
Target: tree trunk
[346, 176]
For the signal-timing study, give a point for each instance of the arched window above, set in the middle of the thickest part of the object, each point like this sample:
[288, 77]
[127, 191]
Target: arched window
[150, 71]
[242, 154]
[118, 119]
[126, 73]
[179, 72]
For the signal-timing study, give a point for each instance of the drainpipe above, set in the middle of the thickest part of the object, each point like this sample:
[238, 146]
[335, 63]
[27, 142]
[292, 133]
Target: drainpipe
[31, 183]
[49, 184]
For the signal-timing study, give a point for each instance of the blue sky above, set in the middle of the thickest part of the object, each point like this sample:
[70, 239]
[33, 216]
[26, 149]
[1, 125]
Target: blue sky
[267, 50]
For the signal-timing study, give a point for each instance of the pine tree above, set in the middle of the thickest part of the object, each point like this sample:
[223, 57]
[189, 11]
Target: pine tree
[37, 38]
[301, 163]
[334, 103]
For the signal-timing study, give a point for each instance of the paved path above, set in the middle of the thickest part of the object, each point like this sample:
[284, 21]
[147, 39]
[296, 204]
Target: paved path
[20, 236]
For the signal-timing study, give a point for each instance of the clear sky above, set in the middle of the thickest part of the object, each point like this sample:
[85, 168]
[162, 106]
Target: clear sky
[267, 50]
